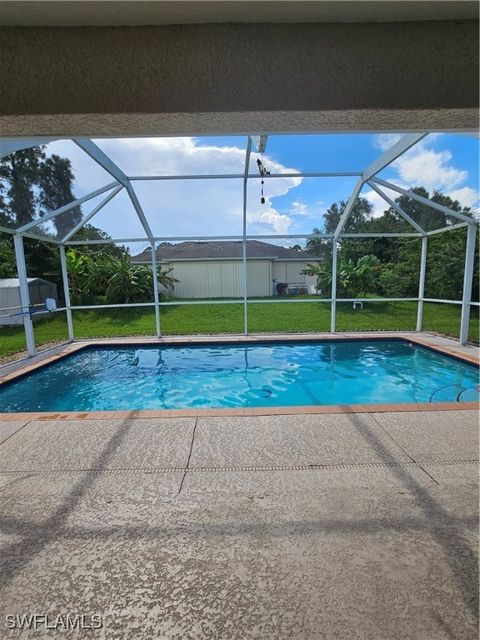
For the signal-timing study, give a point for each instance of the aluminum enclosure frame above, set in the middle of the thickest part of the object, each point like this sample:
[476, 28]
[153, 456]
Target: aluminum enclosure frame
[122, 181]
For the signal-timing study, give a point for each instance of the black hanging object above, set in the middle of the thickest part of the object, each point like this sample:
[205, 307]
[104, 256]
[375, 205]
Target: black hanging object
[263, 172]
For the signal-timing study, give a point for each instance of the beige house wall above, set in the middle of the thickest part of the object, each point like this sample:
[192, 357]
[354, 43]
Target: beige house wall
[221, 279]
[204, 279]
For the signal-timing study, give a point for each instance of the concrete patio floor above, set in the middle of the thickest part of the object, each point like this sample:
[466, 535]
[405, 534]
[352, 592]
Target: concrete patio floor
[274, 527]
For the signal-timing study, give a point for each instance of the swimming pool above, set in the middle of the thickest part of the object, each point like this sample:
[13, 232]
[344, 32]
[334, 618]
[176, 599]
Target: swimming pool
[242, 375]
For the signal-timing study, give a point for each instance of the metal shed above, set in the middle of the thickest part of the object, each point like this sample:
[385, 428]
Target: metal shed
[10, 304]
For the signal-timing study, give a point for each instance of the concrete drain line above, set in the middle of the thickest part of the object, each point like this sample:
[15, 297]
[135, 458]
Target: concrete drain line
[253, 468]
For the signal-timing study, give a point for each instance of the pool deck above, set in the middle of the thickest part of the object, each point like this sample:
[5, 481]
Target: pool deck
[348, 525]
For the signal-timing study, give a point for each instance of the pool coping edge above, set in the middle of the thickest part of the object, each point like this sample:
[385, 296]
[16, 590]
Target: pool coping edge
[250, 411]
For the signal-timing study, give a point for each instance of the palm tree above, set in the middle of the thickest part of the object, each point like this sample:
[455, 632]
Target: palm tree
[165, 279]
[78, 267]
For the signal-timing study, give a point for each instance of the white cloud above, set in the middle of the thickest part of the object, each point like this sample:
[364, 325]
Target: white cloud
[467, 196]
[279, 223]
[180, 207]
[299, 208]
[378, 203]
[422, 166]
[214, 207]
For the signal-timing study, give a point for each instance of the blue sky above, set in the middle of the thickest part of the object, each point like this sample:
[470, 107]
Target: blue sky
[445, 162]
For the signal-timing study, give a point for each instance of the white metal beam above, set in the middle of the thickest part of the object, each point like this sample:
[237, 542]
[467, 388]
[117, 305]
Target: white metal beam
[406, 142]
[94, 211]
[309, 174]
[156, 296]
[66, 291]
[24, 294]
[107, 241]
[421, 283]
[381, 235]
[348, 209]
[333, 296]
[383, 161]
[324, 236]
[26, 234]
[425, 201]
[233, 176]
[398, 209]
[260, 143]
[194, 176]
[248, 152]
[460, 225]
[101, 158]
[138, 208]
[65, 208]
[467, 283]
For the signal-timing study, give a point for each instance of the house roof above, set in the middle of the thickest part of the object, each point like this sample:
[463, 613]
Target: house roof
[223, 250]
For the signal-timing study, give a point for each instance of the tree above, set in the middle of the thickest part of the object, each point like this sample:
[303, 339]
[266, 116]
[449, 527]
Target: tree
[353, 278]
[360, 212]
[114, 278]
[398, 268]
[318, 247]
[31, 185]
[19, 173]
[89, 232]
[7, 257]
[323, 273]
[5, 219]
[55, 182]
[78, 267]
[428, 218]
[446, 251]
[134, 283]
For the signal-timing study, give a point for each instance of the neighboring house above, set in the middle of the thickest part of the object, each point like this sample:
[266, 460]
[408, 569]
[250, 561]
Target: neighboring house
[39, 290]
[214, 269]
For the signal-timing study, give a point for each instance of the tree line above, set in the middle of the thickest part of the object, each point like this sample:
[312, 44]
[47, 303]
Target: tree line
[391, 266]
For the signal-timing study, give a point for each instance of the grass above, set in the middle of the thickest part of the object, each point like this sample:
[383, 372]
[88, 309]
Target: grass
[214, 318]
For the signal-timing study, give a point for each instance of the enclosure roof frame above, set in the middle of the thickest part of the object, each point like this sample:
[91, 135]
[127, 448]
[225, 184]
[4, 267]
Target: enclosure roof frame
[369, 176]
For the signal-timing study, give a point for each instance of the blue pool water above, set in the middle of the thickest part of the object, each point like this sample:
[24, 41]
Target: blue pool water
[247, 375]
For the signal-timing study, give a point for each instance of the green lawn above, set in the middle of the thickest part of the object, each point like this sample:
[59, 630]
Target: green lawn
[228, 318]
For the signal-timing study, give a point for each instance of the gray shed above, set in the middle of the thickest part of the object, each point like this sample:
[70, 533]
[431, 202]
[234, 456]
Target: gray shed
[10, 309]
